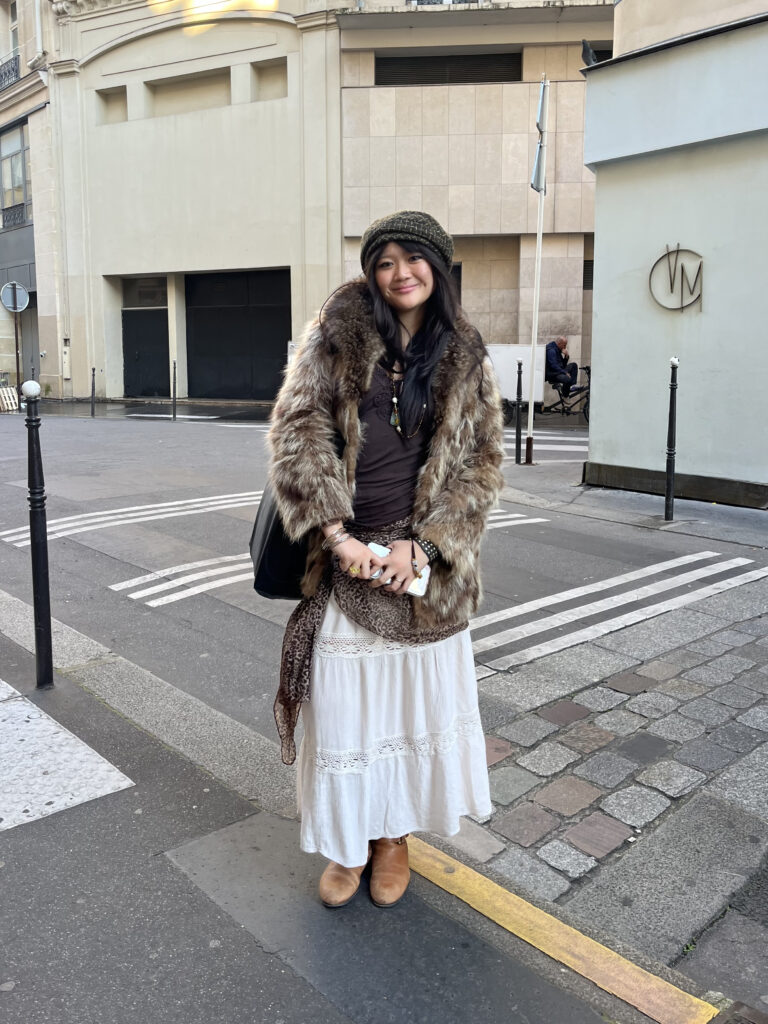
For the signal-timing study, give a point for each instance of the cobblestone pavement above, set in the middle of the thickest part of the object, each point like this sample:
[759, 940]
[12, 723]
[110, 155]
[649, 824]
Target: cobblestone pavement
[641, 751]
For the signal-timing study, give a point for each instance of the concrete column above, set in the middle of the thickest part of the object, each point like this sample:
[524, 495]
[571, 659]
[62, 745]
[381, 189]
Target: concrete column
[177, 332]
[242, 83]
[138, 99]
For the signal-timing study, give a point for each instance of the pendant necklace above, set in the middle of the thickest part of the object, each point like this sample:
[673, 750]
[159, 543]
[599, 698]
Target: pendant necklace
[394, 419]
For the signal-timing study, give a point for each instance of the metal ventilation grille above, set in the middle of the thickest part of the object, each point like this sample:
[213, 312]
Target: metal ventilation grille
[449, 69]
[589, 269]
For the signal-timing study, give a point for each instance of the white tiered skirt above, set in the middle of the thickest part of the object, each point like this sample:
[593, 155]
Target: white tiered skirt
[392, 740]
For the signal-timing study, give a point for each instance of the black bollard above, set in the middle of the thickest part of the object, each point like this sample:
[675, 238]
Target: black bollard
[38, 536]
[519, 414]
[174, 391]
[93, 391]
[669, 494]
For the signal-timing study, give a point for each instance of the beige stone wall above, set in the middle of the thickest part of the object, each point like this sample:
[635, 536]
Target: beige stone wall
[560, 296]
[641, 23]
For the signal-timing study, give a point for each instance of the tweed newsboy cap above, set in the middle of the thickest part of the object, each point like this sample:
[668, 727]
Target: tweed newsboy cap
[407, 226]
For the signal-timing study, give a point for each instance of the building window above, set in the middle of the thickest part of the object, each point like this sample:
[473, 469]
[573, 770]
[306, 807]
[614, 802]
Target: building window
[145, 292]
[13, 25]
[15, 177]
[448, 68]
[586, 282]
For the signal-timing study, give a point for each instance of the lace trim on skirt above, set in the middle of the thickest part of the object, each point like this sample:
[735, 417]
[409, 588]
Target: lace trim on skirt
[338, 762]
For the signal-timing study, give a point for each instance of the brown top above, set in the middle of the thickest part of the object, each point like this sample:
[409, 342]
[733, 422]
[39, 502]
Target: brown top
[389, 463]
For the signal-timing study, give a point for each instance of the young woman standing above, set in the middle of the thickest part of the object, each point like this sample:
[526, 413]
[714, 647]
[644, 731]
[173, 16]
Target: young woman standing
[388, 430]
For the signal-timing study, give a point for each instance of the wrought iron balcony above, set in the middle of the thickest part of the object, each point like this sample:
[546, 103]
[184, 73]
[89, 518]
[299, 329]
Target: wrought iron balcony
[13, 215]
[9, 71]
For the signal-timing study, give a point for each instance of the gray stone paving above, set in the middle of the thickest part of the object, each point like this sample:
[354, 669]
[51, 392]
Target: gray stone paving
[693, 724]
[635, 805]
[671, 778]
[560, 855]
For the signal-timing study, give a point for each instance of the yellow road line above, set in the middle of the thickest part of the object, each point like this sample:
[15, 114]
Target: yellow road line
[653, 996]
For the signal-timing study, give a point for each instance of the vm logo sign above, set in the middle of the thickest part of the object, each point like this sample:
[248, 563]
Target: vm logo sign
[676, 277]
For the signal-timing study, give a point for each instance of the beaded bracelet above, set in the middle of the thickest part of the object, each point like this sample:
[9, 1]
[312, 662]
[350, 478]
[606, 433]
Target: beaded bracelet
[430, 550]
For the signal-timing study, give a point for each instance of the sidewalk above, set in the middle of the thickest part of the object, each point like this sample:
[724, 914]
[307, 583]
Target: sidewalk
[629, 775]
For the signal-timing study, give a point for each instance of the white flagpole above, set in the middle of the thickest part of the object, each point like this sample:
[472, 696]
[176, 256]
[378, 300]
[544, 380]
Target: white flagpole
[539, 183]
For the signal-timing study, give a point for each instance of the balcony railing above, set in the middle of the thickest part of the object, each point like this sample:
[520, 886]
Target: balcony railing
[9, 71]
[13, 215]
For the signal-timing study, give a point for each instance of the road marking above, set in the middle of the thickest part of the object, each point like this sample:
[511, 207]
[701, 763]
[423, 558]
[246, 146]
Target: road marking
[656, 998]
[629, 619]
[130, 520]
[166, 416]
[498, 524]
[44, 767]
[158, 588]
[201, 588]
[584, 611]
[556, 447]
[162, 574]
[20, 531]
[588, 588]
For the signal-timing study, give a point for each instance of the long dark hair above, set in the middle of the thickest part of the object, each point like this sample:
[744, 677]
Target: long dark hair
[427, 346]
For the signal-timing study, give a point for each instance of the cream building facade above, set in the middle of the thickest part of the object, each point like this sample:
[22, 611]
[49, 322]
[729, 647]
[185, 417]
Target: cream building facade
[201, 174]
[677, 132]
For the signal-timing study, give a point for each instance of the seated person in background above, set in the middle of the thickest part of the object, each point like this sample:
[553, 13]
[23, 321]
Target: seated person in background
[557, 369]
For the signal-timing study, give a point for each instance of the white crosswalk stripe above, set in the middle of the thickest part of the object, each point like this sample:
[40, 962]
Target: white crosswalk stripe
[498, 519]
[511, 644]
[173, 583]
[69, 525]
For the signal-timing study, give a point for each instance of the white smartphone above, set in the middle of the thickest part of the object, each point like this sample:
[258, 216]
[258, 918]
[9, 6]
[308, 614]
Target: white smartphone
[418, 587]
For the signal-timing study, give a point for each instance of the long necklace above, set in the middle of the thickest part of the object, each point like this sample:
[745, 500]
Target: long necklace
[394, 419]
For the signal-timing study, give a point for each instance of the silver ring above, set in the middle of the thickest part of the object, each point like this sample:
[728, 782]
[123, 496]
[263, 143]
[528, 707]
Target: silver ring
[375, 575]
[396, 580]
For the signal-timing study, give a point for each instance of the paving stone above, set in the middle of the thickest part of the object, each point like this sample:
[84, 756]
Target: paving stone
[495, 712]
[757, 681]
[733, 637]
[567, 795]
[606, 769]
[757, 627]
[510, 782]
[658, 670]
[711, 648]
[562, 856]
[652, 705]
[745, 783]
[600, 698]
[672, 778]
[586, 737]
[564, 712]
[621, 722]
[684, 658]
[525, 872]
[683, 688]
[756, 718]
[643, 747]
[737, 736]
[734, 696]
[525, 824]
[675, 727]
[629, 682]
[704, 755]
[496, 750]
[708, 711]
[635, 805]
[652, 638]
[527, 731]
[734, 949]
[719, 670]
[598, 834]
[475, 841]
[548, 758]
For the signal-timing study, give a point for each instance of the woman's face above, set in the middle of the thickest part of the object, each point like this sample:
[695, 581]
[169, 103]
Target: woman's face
[404, 278]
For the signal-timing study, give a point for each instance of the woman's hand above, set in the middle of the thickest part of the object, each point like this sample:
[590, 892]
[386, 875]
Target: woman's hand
[397, 567]
[355, 555]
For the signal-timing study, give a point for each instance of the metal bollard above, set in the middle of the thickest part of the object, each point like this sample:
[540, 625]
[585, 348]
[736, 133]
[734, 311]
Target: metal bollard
[174, 392]
[519, 414]
[669, 494]
[93, 391]
[38, 536]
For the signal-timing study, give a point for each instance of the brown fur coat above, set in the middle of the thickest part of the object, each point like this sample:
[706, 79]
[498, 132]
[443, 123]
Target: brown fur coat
[458, 484]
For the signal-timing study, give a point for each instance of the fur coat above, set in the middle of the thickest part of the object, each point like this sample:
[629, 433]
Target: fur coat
[458, 484]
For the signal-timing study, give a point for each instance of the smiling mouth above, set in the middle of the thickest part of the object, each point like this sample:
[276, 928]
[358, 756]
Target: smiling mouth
[406, 288]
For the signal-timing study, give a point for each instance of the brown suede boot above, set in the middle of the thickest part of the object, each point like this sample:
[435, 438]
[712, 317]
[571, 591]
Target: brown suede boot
[389, 871]
[339, 884]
